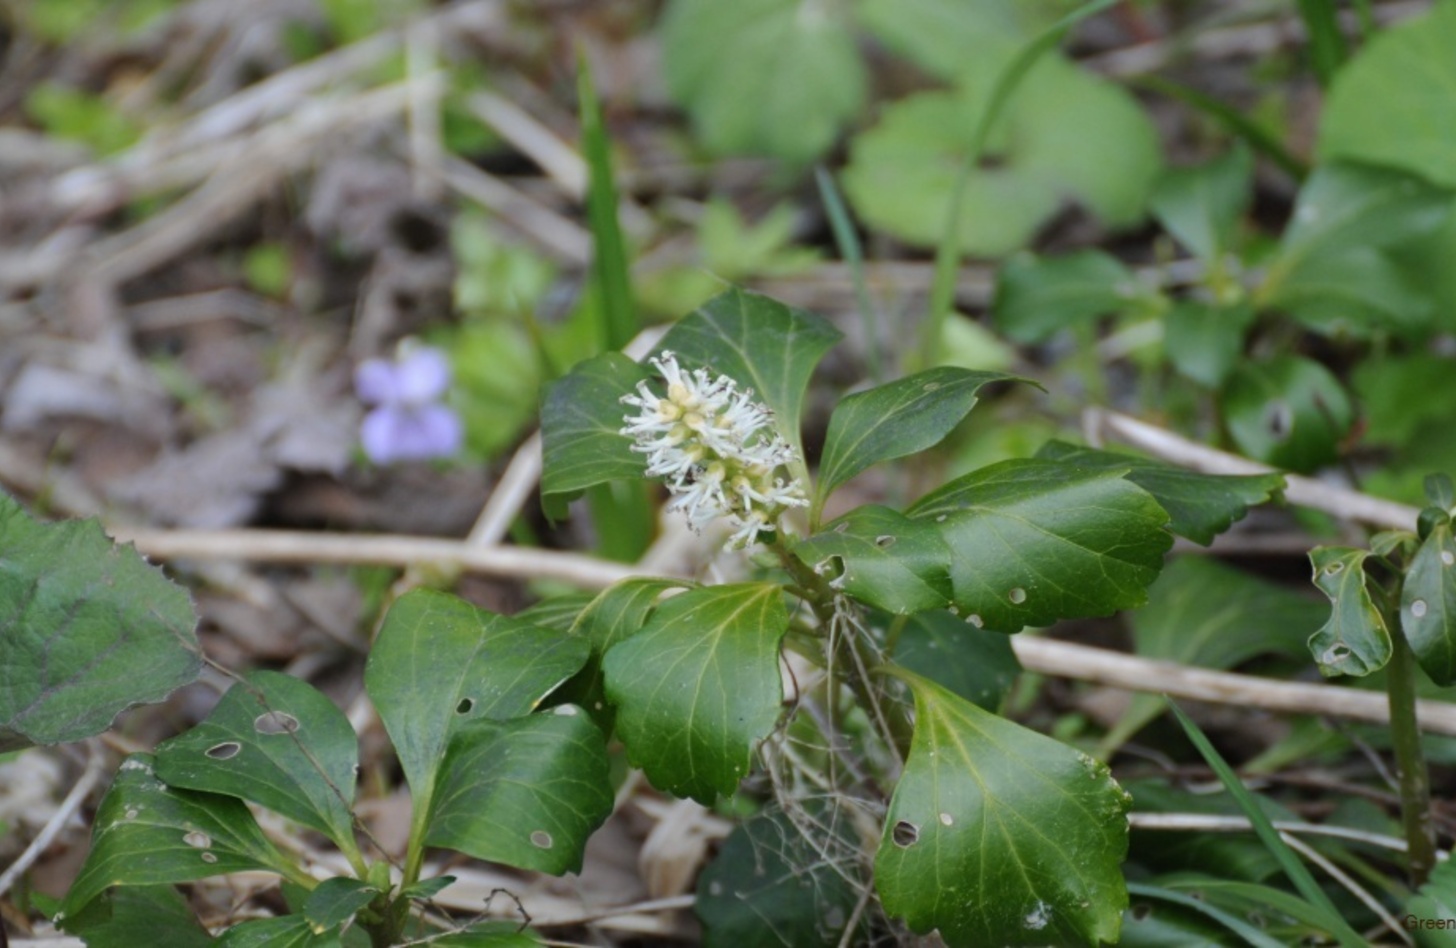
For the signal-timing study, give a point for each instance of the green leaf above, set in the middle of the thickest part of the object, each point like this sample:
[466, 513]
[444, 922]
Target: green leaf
[1436, 902]
[971, 663]
[997, 835]
[1392, 105]
[1200, 506]
[1428, 605]
[138, 916]
[1203, 340]
[942, 35]
[558, 612]
[699, 686]
[1201, 206]
[761, 344]
[440, 663]
[617, 613]
[427, 889]
[1038, 296]
[1033, 541]
[90, 630]
[883, 558]
[527, 792]
[897, 419]
[275, 741]
[766, 76]
[146, 833]
[1355, 640]
[1205, 614]
[779, 881]
[1355, 293]
[288, 931]
[334, 901]
[1288, 411]
[1065, 136]
[581, 417]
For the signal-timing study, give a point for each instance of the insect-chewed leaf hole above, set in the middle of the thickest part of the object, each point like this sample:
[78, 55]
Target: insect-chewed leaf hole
[275, 722]
[197, 839]
[542, 839]
[1017, 595]
[465, 706]
[905, 834]
[884, 542]
[227, 750]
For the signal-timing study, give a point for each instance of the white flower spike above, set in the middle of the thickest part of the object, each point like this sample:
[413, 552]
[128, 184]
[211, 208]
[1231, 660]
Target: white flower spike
[717, 450]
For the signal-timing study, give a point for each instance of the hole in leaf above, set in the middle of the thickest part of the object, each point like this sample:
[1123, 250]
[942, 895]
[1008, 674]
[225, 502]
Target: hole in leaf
[842, 527]
[930, 386]
[1141, 911]
[1334, 569]
[1447, 557]
[465, 706]
[541, 839]
[976, 621]
[565, 710]
[884, 542]
[227, 750]
[1017, 595]
[1280, 420]
[991, 162]
[197, 839]
[1418, 608]
[946, 819]
[905, 834]
[131, 814]
[209, 857]
[942, 518]
[275, 722]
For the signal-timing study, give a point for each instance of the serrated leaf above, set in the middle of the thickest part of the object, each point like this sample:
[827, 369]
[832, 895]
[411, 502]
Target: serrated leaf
[138, 916]
[971, 663]
[1201, 206]
[439, 663]
[778, 883]
[761, 344]
[1391, 105]
[897, 419]
[998, 835]
[1037, 296]
[275, 741]
[1428, 605]
[1288, 411]
[883, 558]
[1205, 614]
[617, 613]
[1205, 340]
[1355, 640]
[526, 792]
[581, 417]
[90, 630]
[288, 931]
[699, 686]
[767, 76]
[1200, 506]
[334, 901]
[1033, 541]
[1066, 136]
[146, 833]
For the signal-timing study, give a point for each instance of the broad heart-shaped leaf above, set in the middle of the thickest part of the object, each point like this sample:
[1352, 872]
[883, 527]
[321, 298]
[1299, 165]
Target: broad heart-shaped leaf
[1428, 605]
[288, 931]
[147, 833]
[883, 558]
[1199, 506]
[1037, 296]
[972, 663]
[526, 792]
[617, 613]
[1208, 615]
[275, 741]
[334, 901]
[1033, 541]
[998, 835]
[768, 76]
[761, 344]
[943, 35]
[699, 686]
[1201, 206]
[1392, 105]
[1288, 411]
[1066, 137]
[1355, 640]
[439, 663]
[581, 417]
[89, 630]
[1204, 340]
[897, 419]
[138, 916]
[778, 883]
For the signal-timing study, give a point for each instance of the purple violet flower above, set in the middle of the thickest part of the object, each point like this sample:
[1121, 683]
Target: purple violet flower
[408, 423]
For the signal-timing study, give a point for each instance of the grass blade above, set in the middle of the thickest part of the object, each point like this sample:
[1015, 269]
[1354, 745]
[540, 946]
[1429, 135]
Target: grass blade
[849, 248]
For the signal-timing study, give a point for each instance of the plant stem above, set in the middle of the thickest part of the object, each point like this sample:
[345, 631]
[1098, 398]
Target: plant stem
[1405, 736]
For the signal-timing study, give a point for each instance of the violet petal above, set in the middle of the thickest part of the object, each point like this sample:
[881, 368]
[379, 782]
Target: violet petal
[377, 382]
[423, 376]
[393, 433]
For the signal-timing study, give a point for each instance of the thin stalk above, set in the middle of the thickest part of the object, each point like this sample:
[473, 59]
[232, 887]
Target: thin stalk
[849, 248]
[1405, 738]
